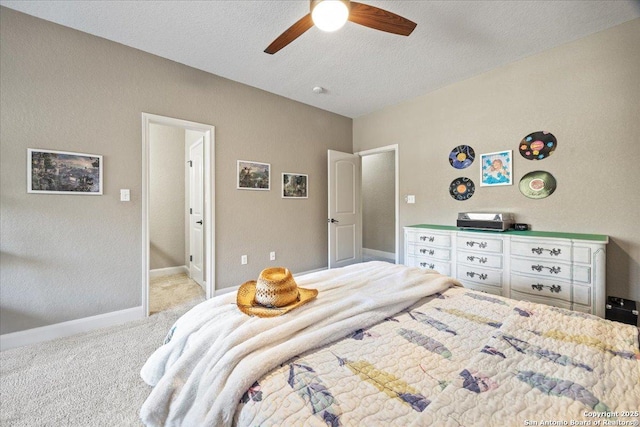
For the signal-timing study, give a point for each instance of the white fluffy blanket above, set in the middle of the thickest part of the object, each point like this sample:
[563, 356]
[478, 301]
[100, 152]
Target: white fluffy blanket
[214, 353]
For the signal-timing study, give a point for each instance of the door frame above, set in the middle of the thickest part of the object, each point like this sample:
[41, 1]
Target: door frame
[385, 149]
[209, 199]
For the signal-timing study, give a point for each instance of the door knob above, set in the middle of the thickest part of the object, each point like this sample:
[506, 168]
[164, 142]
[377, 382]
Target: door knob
[199, 222]
[333, 221]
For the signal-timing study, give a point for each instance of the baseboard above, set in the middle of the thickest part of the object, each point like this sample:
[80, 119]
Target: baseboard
[381, 254]
[168, 271]
[223, 291]
[71, 327]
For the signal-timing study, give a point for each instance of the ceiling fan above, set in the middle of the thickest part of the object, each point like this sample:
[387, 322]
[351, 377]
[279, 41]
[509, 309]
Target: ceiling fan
[330, 15]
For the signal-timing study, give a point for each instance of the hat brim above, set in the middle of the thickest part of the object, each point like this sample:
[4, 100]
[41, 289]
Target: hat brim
[248, 305]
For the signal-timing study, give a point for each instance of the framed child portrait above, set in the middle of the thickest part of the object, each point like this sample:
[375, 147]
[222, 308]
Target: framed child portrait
[496, 168]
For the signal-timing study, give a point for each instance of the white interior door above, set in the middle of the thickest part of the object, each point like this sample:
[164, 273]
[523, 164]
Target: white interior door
[345, 219]
[196, 204]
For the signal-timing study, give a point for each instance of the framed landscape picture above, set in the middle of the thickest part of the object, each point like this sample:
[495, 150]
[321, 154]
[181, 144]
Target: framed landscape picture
[253, 175]
[63, 172]
[295, 186]
[496, 168]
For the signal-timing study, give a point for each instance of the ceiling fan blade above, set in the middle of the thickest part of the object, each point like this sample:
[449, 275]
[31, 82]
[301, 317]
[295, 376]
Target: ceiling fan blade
[292, 33]
[380, 19]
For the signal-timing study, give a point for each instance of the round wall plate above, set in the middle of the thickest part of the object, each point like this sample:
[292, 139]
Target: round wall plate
[537, 184]
[462, 156]
[538, 145]
[462, 188]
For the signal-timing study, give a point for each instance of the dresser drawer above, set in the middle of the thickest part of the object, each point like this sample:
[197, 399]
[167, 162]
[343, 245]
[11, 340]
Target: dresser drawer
[543, 268]
[582, 295]
[479, 243]
[429, 251]
[483, 260]
[429, 264]
[485, 276]
[581, 274]
[433, 239]
[541, 287]
[540, 299]
[582, 254]
[582, 308]
[483, 288]
[541, 249]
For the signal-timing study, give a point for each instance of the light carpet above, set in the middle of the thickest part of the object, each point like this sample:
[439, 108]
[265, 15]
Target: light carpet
[168, 291]
[90, 379]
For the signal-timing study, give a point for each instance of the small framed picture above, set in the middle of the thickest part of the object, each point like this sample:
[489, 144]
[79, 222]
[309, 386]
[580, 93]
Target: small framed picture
[496, 168]
[254, 175]
[63, 172]
[295, 186]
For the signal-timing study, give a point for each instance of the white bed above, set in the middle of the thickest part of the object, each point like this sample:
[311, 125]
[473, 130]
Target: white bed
[386, 345]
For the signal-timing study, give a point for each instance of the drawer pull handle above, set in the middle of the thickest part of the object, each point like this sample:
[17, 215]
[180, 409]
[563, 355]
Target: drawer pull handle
[553, 270]
[424, 251]
[481, 245]
[424, 264]
[552, 288]
[473, 274]
[482, 260]
[429, 238]
[552, 252]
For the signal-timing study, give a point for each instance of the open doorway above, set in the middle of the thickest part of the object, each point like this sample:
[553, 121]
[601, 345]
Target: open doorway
[380, 204]
[178, 223]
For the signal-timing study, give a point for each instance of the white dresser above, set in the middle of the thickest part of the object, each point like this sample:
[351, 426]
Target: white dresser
[561, 269]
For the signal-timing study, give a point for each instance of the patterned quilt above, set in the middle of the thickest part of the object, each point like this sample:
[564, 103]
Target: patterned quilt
[460, 358]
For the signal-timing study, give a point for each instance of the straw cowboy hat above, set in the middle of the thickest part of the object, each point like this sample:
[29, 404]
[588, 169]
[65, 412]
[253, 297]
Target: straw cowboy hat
[275, 293]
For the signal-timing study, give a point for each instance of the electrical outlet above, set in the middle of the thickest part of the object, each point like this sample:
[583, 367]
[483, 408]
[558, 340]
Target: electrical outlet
[272, 256]
[125, 195]
[411, 198]
[243, 260]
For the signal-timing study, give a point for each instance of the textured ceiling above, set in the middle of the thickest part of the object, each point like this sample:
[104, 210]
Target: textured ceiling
[362, 70]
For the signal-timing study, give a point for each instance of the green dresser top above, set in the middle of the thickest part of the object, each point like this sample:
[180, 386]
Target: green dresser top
[529, 233]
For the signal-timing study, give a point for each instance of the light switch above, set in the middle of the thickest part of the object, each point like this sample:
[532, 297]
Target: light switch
[411, 198]
[125, 195]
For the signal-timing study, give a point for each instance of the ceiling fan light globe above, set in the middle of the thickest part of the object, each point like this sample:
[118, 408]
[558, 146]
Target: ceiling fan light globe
[329, 15]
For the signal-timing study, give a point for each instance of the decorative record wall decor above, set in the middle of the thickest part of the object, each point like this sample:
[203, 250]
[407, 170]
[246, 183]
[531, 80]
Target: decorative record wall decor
[538, 145]
[462, 188]
[537, 184]
[462, 156]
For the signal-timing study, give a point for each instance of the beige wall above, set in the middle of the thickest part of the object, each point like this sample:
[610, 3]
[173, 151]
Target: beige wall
[378, 202]
[68, 257]
[166, 197]
[586, 93]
